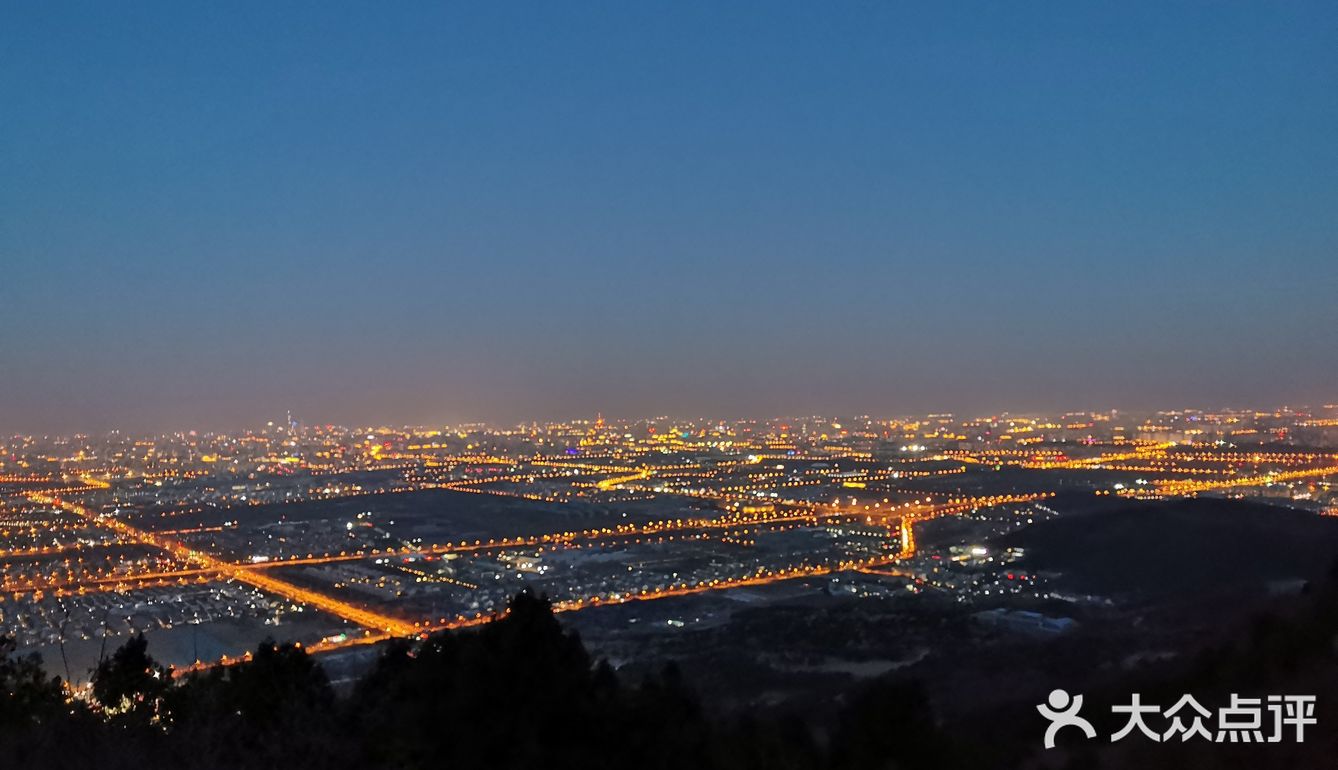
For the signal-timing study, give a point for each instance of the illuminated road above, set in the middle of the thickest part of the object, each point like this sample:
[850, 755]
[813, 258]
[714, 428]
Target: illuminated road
[633, 533]
[361, 616]
[384, 626]
[1179, 487]
[207, 565]
[204, 566]
[739, 486]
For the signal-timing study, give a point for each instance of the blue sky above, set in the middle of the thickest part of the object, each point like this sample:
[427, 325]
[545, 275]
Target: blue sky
[434, 212]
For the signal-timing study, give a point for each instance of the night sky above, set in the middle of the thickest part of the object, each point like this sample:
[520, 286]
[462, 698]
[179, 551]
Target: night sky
[211, 213]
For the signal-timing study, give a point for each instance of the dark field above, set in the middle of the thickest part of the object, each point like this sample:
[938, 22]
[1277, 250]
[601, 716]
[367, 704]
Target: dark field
[443, 515]
[1197, 547]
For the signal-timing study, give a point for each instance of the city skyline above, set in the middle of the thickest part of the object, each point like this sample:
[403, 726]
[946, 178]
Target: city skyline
[435, 528]
[420, 214]
[267, 423]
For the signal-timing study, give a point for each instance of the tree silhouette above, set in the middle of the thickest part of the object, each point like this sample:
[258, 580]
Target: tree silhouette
[520, 691]
[889, 725]
[129, 685]
[36, 724]
[275, 710]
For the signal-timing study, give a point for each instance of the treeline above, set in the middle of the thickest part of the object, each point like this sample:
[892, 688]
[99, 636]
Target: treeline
[522, 691]
[518, 692]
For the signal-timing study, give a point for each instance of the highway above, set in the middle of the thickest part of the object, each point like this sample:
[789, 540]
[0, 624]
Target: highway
[359, 615]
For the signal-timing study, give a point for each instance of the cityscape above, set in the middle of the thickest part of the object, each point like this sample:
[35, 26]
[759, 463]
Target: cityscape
[338, 538]
[668, 386]
[779, 562]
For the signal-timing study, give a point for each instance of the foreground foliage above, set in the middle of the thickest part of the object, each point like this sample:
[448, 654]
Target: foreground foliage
[518, 692]
[523, 692]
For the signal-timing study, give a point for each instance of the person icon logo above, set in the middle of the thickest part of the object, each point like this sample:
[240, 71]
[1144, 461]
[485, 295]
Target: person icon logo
[1062, 711]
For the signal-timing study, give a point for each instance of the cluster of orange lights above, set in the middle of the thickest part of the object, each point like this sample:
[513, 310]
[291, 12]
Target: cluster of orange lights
[751, 504]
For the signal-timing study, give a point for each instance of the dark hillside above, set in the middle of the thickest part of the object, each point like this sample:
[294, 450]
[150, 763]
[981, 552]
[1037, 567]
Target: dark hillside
[1181, 547]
